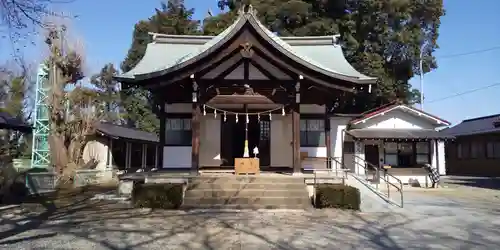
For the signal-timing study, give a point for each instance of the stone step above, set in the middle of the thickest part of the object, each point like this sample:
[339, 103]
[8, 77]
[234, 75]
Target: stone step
[207, 193]
[246, 206]
[230, 181]
[250, 201]
[239, 186]
[324, 181]
[246, 179]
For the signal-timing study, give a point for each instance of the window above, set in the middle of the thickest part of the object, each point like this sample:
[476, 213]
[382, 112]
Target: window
[493, 150]
[406, 154]
[476, 150]
[312, 133]
[422, 149]
[391, 153]
[463, 150]
[178, 132]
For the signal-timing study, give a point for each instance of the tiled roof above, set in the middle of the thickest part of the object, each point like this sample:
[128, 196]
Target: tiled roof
[7, 121]
[396, 105]
[123, 132]
[168, 53]
[397, 134]
[479, 125]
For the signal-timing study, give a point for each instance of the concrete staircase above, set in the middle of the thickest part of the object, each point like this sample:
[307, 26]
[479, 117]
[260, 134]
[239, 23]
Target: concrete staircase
[373, 200]
[246, 192]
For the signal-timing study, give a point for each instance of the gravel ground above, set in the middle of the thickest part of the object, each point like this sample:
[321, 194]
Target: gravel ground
[430, 220]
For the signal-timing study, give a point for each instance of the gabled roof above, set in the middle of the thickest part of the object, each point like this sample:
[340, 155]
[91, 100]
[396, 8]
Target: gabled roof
[122, 132]
[7, 121]
[423, 134]
[168, 53]
[398, 106]
[479, 125]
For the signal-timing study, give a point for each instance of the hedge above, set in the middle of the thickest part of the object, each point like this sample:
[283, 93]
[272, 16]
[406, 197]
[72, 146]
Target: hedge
[337, 196]
[157, 195]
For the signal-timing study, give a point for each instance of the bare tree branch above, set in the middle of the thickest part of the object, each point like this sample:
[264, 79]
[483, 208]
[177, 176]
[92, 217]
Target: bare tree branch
[21, 19]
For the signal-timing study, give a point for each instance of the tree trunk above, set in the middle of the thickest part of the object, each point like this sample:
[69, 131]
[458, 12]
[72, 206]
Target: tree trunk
[58, 151]
[74, 151]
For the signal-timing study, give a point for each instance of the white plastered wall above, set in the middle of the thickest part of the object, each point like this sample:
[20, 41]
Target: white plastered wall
[281, 138]
[397, 119]
[177, 156]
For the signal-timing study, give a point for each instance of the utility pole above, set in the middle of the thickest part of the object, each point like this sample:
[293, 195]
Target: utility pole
[421, 77]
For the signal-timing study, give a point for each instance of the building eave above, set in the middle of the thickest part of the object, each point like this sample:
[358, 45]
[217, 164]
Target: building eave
[389, 108]
[209, 44]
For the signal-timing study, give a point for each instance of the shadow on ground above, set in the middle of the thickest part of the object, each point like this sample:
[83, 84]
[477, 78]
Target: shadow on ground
[472, 181]
[87, 224]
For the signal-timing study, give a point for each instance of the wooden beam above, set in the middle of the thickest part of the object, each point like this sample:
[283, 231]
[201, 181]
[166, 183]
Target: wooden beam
[246, 69]
[216, 64]
[297, 164]
[297, 168]
[161, 145]
[195, 140]
[229, 70]
[263, 70]
[328, 142]
[273, 62]
[128, 152]
[195, 129]
[144, 156]
[198, 66]
[281, 65]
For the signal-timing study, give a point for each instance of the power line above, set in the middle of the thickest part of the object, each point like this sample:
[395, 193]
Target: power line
[464, 93]
[470, 52]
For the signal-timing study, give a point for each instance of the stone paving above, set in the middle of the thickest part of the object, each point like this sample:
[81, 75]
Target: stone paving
[430, 220]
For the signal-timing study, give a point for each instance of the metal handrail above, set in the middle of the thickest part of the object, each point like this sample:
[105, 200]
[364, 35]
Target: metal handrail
[338, 161]
[330, 169]
[329, 160]
[384, 178]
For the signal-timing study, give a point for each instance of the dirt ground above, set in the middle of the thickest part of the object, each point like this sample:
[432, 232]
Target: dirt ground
[463, 218]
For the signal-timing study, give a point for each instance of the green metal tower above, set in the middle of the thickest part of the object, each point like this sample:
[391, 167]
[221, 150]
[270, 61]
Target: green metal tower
[40, 154]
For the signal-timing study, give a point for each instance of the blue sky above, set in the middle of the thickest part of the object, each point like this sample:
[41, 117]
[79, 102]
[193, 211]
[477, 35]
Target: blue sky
[106, 27]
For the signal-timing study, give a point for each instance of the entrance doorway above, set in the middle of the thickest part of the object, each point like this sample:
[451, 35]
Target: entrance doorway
[233, 139]
[371, 154]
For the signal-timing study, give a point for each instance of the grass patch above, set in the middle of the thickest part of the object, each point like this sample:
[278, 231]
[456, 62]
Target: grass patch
[337, 196]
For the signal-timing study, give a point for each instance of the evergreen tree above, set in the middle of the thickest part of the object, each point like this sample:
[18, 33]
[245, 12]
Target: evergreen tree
[380, 38]
[108, 92]
[172, 18]
[13, 99]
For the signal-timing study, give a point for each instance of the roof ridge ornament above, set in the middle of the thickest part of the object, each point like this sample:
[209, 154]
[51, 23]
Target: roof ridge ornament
[246, 50]
[336, 40]
[247, 9]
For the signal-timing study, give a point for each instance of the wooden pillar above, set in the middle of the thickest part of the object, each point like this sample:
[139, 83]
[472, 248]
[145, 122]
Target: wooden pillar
[144, 155]
[297, 164]
[110, 154]
[195, 129]
[156, 157]
[128, 153]
[328, 142]
[162, 115]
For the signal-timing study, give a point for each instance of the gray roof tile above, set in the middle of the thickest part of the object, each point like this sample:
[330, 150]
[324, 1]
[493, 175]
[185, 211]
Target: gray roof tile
[169, 51]
[397, 134]
[122, 132]
[8, 121]
[480, 125]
